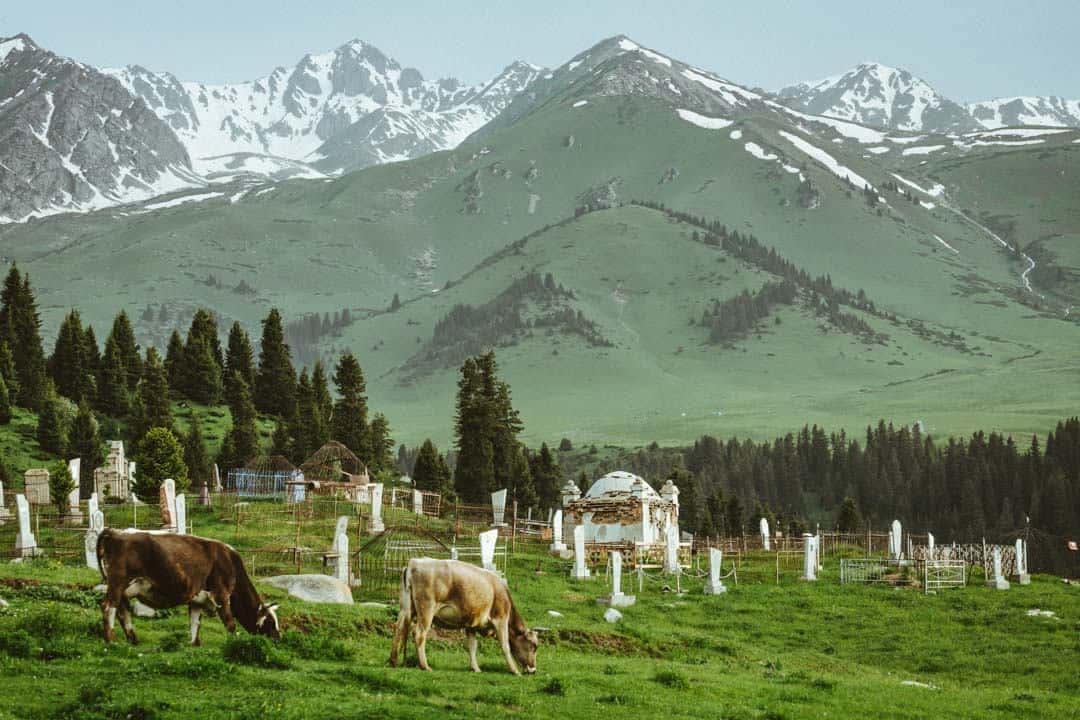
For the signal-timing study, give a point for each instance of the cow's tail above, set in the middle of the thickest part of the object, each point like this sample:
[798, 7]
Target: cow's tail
[104, 542]
[405, 595]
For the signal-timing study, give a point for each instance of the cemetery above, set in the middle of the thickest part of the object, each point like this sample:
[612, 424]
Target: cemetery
[635, 616]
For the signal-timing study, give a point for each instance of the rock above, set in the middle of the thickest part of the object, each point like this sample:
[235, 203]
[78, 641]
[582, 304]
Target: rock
[1036, 612]
[3, 603]
[555, 613]
[141, 610]
[612, 615]
[916, 683]
[313, 588]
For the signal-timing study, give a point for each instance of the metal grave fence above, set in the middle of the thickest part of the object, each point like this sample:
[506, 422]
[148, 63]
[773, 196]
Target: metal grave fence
[939, 574]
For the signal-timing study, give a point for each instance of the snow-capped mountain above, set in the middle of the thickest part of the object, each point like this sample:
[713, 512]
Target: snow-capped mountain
[72, 138]
[336, 111]
[1002, 112]
[880, 96]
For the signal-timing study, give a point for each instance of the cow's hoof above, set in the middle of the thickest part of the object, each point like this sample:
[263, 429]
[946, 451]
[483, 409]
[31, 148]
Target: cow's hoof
[133, 639]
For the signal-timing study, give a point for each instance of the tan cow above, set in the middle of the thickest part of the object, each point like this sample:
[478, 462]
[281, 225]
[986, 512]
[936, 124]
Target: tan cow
[457, 595]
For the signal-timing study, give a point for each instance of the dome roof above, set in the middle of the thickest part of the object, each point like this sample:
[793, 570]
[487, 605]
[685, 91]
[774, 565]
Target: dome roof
[618, 483]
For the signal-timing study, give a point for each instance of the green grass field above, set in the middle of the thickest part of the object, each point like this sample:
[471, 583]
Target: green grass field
[762, 650]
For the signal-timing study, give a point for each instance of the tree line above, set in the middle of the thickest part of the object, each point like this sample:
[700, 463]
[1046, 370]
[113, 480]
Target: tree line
[82, 394]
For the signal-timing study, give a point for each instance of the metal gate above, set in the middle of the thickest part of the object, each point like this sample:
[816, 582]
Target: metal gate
[944, 573]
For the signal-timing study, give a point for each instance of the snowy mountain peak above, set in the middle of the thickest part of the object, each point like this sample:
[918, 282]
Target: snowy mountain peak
[872, 93]
[1049, 111]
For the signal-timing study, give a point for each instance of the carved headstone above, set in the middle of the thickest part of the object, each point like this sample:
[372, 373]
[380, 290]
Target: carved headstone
[671, 549]
[180, 506]
[204, 495]
[97, 524]
[25, 543]
[581, 571]
[1021, 562]
[167, 502]
[558, 547]
[498, 507]
[341, 565]
[341, 528]
[929, 546]
[4, 512]
[617, 597]
[998, 580]
[36, 484]
[417, 502]
[376, 509]
[895, 540]
[766, 541]
[488, 538]
[715, 586]
[217, 478]
[809, 557]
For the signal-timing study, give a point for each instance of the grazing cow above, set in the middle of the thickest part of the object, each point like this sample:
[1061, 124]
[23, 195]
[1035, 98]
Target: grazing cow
[457, 595]
[163, 570]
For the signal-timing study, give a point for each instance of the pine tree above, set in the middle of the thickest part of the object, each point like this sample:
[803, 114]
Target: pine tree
[195, 457]
[239, 357]
[381, 444]
[202, 362]
[85, 443]
[20, 330]
[425, 474]
[51, 433]
[350, 421]
[243, 436]
[113, 398]
[322, 393]
[68, 366]
[175, 361]
[395, 304]
[309, 432]
[60, 486]
[847, 521]
[152, 395]
[275, 383]
[160, 457]
[547, 477]
[5, 403]
[474, 474]
[522, 488]
[7, 369]
[281, 441]
[121, 341]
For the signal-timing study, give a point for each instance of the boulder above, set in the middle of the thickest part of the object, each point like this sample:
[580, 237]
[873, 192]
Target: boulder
[313, 588]
[612, 615]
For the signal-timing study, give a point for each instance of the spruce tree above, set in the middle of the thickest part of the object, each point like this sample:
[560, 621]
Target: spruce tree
[195, 457]
[51, 433]
[322, 392]
[68, 364]
[474, 474]
[243, 436]
[275, 383]
[175, 361]
[121, 341]
[425, 474]
[85, 443]
[20, 331]
[7, 369]
[5, 403]
[113, 398]
[160, 457]
[281, 442]
[239, 357]
[847, 521]
[350, 422]
[202, 364]
[153, 410]
[547, 477]
[522, 488]
[381, 458]
[309, 431]
[60, 486]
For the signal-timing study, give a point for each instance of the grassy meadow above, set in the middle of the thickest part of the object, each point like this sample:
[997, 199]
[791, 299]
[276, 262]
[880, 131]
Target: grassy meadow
[763, 650]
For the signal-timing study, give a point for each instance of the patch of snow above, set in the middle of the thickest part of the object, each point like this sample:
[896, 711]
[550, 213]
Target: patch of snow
[199, 197]
[732, 94]
[905, 140]
[851, 130]
[737, 135]
[655, 57]
[15, 44]
[947, 245]
[923, 149]
[879, 149]
[827, 160]
[1005, 143]
[927, 205]
[1017, 132]
[759, 152]
[703, 121]
[573, 64]
[935, 191]
[581, 103]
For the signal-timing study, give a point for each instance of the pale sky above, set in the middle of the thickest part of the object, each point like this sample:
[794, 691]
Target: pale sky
[967, 50]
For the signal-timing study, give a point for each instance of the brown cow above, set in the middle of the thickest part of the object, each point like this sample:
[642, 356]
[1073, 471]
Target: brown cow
[164, 570]
[457, 595]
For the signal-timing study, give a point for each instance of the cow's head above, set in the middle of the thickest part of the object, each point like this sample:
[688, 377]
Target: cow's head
[266, 622]
[524, 647]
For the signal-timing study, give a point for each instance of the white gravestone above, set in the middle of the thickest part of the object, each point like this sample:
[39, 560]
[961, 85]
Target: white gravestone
[96, 525]
[417, 502]
[809, 557]
[376, 509]
[929, 546]
[715, 586]
[498, 507]
[341, 565]
[558, 547]
[92, 504]
[217, 479]
[581, 572]
[765, 540]
[74, 513]
[167, 501]
[25, 543]
[1021, 562]
[617, 597]
[4, 512]
[180, 507]
[671, 550]
[488, 538]
[998, 581]
[341, 528]
[895, 540]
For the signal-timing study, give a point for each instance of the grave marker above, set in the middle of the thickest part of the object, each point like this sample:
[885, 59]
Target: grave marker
[93, 532]
[4, 512]
[376, 509]
[488, 538]
[998, 581]
[25, 543]
[763, 526]
[1021, 562]
[558, 547]
[895, 540]
[809, 557]
[417, 502]
[715, 586]
[581, 572]
[498, 507]
[167, 503]
[617, 597]
[36, 486]
[180, 506]
[671, 550]
[341, 564]
[929, 546]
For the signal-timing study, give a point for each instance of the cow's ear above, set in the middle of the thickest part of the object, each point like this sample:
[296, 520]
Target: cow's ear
[273, 607]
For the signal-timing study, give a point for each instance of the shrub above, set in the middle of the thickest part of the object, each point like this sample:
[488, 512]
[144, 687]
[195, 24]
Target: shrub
[672, 679]
[554, 687]
[253, 650]
[17, 644]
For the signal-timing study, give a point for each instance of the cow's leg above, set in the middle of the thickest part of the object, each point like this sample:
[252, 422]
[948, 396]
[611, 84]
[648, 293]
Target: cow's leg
[112, 600]
[502, 632]
[194, 620]
[425, 615]
[225, 612]
[470, 636]
[401, 637]
[124, 613]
